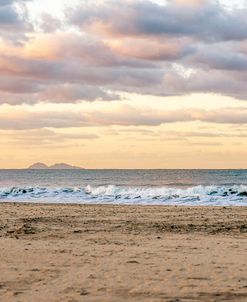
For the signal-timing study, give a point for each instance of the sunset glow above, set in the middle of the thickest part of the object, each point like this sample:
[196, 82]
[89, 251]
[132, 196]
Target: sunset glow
[115, 84]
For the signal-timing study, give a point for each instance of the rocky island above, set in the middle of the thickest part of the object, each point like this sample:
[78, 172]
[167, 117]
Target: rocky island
[58, 166]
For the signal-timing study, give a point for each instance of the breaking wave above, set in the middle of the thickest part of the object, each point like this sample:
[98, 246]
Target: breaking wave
[197, 195]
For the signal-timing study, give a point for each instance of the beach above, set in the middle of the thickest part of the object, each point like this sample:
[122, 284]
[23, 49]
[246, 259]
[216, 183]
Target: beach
[122, 253]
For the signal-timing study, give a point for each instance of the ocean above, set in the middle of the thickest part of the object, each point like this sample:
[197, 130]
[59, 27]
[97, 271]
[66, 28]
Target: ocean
[137, 187]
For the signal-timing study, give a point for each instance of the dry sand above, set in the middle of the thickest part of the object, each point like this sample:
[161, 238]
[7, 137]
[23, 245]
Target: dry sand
[122, 253]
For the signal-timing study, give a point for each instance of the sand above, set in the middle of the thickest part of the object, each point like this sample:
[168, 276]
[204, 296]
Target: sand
[122, 253]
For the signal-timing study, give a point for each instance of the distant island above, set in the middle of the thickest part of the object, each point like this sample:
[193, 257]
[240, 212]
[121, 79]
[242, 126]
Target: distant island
[60, 166]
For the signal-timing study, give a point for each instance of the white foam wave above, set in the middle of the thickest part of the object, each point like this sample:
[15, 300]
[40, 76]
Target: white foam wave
[198, 195]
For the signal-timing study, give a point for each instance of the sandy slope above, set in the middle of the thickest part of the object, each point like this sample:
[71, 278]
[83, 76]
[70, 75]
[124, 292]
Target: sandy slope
[122, 253]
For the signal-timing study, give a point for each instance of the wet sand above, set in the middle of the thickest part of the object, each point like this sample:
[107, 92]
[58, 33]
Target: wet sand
[122, 253]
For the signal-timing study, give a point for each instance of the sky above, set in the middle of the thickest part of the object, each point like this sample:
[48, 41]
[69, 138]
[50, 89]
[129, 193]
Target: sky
[123, 83]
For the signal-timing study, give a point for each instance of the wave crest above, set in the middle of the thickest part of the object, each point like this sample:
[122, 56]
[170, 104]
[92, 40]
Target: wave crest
[198, 195]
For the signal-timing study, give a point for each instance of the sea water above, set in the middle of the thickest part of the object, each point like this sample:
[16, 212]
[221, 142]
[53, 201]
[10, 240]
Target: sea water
[137, 187]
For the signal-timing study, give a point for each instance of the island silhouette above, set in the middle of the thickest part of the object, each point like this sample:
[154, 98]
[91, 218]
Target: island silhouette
[58, 166]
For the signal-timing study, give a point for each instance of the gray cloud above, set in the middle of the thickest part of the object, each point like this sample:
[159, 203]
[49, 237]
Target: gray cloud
[67, 81]
[13, 22]
[134, 46]
[48, 23]
[206, 21]
[123, 116]
[75, 92]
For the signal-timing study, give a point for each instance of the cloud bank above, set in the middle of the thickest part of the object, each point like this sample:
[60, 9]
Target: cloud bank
[122, 115]
[134, 46]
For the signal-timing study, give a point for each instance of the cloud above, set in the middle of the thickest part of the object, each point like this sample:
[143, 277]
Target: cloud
[48, 23]
[13, 21]
[155, 50]
[128, 115]
[200, 134]
[75, 92]
[134, 46]
[121, 115]
[77, 80]
[43, 137]
[158, 134]
[83, 48]
[21, 119]
[229, 57]
[205, 20]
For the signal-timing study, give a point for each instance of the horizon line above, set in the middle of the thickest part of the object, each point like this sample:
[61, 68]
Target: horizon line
[80, 168]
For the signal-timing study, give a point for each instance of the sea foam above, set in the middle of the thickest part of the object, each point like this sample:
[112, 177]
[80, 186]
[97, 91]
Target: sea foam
[191, 196]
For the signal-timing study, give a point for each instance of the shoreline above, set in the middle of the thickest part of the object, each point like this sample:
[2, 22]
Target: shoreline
[71, 253]
[40, 203]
